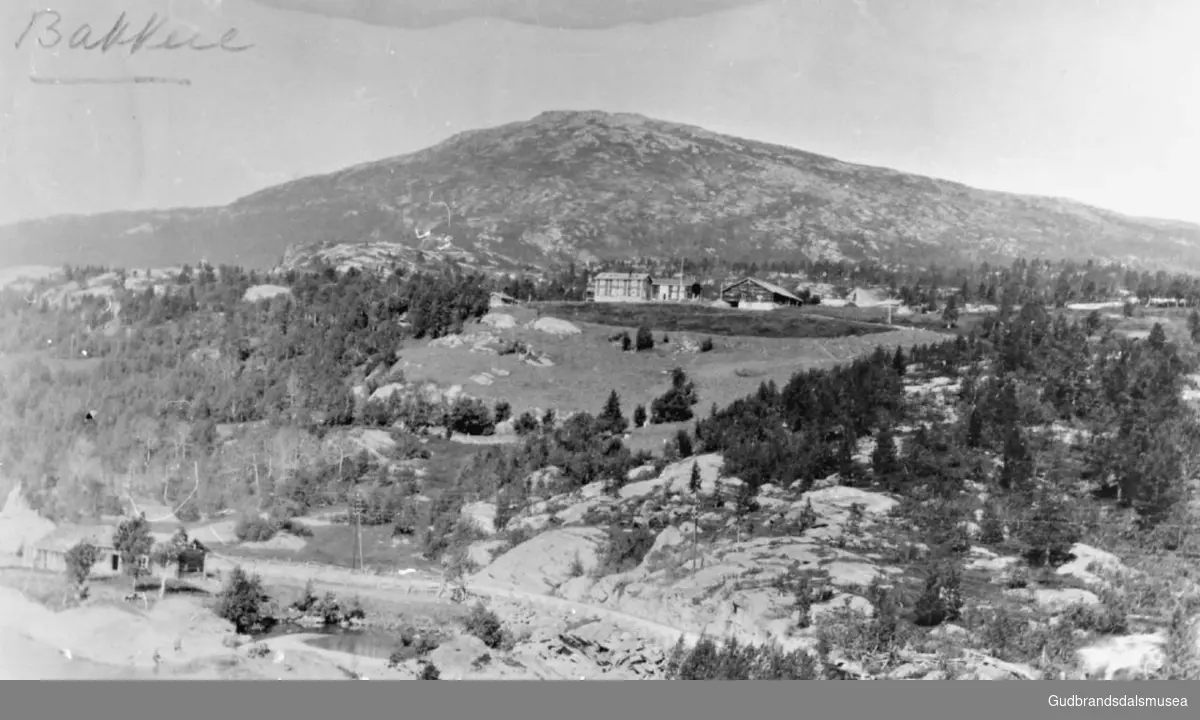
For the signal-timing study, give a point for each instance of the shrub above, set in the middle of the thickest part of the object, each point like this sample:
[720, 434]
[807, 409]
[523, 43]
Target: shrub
[675, 405]
[525, 424]
[941, 600]
[244, 602]
[576, 569]
[298, 529]
[133, 541]
[470, 416]
[645, 340]
[734, 661]
[485, 625]
[429, 671]
[255, 529]
[502, 411]
[624, 550]
[79, 560]
[706, 345]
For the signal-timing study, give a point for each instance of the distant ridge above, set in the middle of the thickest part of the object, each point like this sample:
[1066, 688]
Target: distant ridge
[588, 185]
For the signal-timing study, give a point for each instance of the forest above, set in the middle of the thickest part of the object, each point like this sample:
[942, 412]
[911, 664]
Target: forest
[164, 382]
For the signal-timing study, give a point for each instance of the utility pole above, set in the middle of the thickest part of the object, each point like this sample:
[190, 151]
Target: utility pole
[356, 518]
[695, 530]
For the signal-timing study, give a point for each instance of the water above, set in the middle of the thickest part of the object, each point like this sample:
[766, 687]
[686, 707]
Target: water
[367, 642]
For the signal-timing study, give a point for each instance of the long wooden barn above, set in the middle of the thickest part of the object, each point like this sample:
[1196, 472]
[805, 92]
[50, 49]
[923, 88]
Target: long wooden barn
[751, 293]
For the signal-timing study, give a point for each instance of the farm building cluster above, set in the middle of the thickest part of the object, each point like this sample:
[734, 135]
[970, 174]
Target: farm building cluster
[748, 293]
[50, 553]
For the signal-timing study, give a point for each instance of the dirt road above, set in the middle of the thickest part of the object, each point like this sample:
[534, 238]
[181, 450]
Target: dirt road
[426, 588]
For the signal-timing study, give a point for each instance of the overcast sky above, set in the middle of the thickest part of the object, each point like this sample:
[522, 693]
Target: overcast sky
[1097, 100]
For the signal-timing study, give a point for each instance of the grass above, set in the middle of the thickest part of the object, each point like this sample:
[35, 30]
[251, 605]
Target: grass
[673, 317]
[926, 321]
[337, 545]
[588, 366]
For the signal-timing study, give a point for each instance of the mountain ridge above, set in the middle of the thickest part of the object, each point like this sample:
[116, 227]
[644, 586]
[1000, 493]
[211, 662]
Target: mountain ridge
[591, 185]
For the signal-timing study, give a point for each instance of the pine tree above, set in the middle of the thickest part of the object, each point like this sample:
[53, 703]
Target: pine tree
[639, 416]
[611, 420]
[899, 362]
[1017, 470]
[694, 480]
[884, 459]
[1194, 325]
[974, 429]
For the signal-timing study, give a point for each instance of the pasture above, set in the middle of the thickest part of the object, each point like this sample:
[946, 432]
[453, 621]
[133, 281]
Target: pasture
[707, 320]
[589, 365]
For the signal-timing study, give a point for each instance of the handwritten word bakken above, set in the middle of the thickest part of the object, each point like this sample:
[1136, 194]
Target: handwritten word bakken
[44, 26]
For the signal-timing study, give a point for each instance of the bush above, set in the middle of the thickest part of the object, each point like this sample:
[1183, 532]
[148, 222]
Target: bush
[80, 559]
[734, 661]
[639, 416]
[470, 416]
[245, 603]
[525, 424]
[941, 600]
[429, 671]
[675, 405]
[502, 411]
[624, 550]
[706, 345]
[255, 529]
[485, 625]
[645, 339]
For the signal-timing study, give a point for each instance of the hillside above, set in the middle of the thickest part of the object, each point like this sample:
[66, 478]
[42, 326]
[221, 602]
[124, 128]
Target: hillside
[592, 185]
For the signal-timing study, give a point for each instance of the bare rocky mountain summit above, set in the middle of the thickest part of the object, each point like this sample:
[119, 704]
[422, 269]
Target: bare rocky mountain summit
[593, 185]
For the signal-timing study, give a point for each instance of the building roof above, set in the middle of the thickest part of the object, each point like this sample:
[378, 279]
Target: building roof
[622, 276]
[674, 281]
[503, 296]
[66, 537]
[768, 286]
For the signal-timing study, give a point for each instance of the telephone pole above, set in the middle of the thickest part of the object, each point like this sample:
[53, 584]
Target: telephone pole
[356, 517]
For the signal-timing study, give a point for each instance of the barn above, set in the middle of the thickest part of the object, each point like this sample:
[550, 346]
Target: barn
[751, 293]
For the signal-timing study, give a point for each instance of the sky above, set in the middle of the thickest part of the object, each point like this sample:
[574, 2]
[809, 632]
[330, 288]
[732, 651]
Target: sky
[1095, 100]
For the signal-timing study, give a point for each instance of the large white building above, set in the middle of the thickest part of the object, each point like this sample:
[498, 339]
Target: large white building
[639, 287]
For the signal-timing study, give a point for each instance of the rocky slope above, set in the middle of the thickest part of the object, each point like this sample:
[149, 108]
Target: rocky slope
[587, 185]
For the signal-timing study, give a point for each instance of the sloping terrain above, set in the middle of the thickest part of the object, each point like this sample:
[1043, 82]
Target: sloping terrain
[588, 185]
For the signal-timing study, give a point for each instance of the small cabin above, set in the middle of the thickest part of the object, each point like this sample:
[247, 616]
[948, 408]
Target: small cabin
[50, 553]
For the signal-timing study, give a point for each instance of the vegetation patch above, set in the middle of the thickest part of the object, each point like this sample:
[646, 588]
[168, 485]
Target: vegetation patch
[701, 319]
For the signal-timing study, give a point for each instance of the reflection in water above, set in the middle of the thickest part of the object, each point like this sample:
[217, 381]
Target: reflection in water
[366, 643]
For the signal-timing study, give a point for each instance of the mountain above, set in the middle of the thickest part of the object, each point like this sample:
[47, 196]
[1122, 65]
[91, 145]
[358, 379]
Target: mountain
[591, 185]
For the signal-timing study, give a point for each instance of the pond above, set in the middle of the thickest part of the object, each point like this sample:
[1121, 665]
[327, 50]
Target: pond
[367, 642]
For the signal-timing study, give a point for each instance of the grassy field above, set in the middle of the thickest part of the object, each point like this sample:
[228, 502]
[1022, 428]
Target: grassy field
[335, 545]
[927, 321]
[701, 319]
[589, 365]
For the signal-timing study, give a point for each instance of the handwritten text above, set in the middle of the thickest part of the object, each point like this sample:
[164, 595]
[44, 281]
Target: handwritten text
[46, 27]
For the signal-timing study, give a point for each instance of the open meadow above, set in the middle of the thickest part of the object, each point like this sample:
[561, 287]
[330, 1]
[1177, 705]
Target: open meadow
[589, 365]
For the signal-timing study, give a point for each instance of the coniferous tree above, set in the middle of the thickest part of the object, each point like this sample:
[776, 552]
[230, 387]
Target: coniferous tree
[694, 479]
[1017, 469]
[610, 419]
[884, 459]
